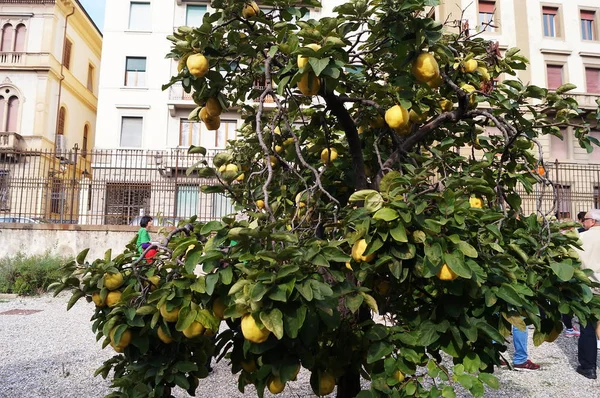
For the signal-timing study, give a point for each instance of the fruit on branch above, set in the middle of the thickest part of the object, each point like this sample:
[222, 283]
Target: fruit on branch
[425, 68]
[98, 300]
[165, 338]
[112, 298]
[417, 118]
[469, 66]
[397, 117]
[213, 107]
[328, 155]
[113, 281]
[250, 9]
[485, 75]
[326, 384]
[123, 342]
[446, 274]
[309, 84]
[446, 105]
[303, 60]
[358, 249]
[169, 316]
[476, 202]
[469, 89]
[275, 385]
[197, 64]
[195, 329]
[252, 332]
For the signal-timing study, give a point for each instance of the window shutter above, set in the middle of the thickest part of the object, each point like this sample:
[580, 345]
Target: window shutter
[61, 121]
[487, 7]
[549, 10]
[592, 80]
[555, 78]
[67, 54]
[588, 15]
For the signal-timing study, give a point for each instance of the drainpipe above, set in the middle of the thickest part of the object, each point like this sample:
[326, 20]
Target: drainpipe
[62, 76]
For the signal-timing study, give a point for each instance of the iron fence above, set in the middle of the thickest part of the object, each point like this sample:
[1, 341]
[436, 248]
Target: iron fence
[118, 187]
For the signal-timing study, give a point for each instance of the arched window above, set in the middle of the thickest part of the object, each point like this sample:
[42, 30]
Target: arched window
[12, 115]
[62, 113]
[20, 38]
[2, 112]
[84, 145]
[7, 37]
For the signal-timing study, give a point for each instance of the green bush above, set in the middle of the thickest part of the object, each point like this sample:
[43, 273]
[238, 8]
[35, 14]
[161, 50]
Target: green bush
[29, 275]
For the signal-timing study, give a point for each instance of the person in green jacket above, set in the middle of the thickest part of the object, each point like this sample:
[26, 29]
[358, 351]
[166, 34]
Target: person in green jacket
[143, 239]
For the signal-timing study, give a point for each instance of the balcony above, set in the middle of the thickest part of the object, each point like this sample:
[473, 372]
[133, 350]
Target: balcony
[585, 100]
[23, 60]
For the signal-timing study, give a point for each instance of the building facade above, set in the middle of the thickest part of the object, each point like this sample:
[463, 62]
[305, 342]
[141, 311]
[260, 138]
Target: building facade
[49, 72]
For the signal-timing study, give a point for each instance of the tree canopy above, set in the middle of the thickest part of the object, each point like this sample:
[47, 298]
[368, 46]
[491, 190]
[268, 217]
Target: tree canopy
[379, 231]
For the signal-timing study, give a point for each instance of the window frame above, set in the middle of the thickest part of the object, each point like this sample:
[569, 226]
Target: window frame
[563, 71]
[187, 8]
[556, 11]
[127, 81]
[484, 15]
[67, 54]
[141, 138]
[131, 8]
[593, 30]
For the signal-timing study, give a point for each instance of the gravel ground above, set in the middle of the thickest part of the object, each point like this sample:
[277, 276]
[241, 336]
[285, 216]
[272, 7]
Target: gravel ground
[53, 353]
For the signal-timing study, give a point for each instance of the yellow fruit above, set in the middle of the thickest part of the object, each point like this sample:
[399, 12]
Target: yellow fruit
[169, 316]
[359, 249]
[154, 280]
[213, 123]
[469, 89]
[195, 329]
[425, 68]
[382, 287]
[326, 384]
[249, 366]
[288, 141]
[97, 300]
[219, 308]
[250, 9]
[309, 84]
[377, 123]
[240, 178]
[181, 64]
[361, 129]
[209, 332]
[275, 385]
[402, 131]
[398, 375]
[476, 202]
[302, 60]
[252, 332]
[260, 204]
[446, 105]
[277, 130]
[203, 114]
[197, 64]
[113, 281]
[436, 82]
[349, 266]
[163, 336]
[112, 298]
[213, 107]
[446, 274]
[125, 339]
[396, 117]
[274, 161]
[328, 155]
[231, 167]
[417, 118]
[485, 75]
[469, 66]
[278, 148]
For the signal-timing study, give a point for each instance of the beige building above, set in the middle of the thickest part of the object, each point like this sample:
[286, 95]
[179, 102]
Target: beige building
[561, 38]
[49, 67]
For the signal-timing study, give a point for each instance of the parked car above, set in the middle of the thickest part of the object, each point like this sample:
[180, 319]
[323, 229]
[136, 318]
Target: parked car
[18, 219]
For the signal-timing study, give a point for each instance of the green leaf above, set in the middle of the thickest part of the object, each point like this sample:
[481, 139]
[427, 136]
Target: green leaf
[336, 255]
[360, 196]
[508, 293]
[353, 302]
[399, 233]
[467, 249]
[378, 350]
[192, 259]
[373, 202]
[258, 291]
[185, 366]
[74, 298]
[565, 88]
[186, 317]
[472, 362]
[457, 264]
[386, 214]
[318, 64]
[490, 380]
[211, 226]
[370, 302]
[273, 321]
[563, 270]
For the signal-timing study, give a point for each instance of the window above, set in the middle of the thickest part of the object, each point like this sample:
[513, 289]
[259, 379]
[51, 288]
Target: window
[594, 156]
[9, 110]
[4, 190]
[84, 144]
[57, 196]
[90, 78]
[549, 15]
[187, 200]
[588, 25]
[131, 132]
[486, 15]
[554, 74]
[563, 201]
[194, 15]
[12, 116]
[559, 147]
[140, 16]
[20, 38]
[592, 80]
[125, 201]
[222, 206]
[135, 71]
[226, 132]
[189, 133]
[67, 54]
[60, 128]
[7, 38]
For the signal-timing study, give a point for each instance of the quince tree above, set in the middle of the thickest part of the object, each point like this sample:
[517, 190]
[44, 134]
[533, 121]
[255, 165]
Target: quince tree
[379, 234]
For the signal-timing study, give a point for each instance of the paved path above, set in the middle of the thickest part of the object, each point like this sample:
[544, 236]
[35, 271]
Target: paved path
[53, 354]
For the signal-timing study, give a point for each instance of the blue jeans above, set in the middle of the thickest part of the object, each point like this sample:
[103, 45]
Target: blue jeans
[520, 342]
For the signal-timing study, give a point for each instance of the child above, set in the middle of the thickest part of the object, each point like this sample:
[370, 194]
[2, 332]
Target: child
[143, 239]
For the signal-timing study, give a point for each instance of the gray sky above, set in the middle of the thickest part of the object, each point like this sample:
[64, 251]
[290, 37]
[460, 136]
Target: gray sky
[96, 10]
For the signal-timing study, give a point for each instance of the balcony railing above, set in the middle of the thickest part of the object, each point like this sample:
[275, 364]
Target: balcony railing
[24, 59]
[586, 100]
[176, 93]
[11, 141]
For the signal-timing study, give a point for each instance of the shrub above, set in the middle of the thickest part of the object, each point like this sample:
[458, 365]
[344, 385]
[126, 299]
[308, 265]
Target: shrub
[28, 275]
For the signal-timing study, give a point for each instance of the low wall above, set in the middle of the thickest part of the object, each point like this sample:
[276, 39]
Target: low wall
[66, 240]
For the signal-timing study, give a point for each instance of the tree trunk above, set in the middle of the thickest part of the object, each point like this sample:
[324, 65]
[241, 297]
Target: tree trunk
[348, 385]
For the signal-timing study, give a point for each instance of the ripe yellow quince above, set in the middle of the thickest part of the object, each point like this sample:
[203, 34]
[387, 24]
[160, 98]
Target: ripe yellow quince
[250, 9]
[302, 60]
[275, 385]
[469, 66]
[326, 384]
[213, 107]
[469, 89]
[358, 249]
[397, 117]
[252, 332]
[231, 167]
[485, 75]
[260, 204]
[124, 342]
[425, 68]
[97, 300]
[113, 281]
[446, 105]
[309, 84]
[197, 64]
[398, 375]
[112, 298]
[476, 202]
[416, 118]
[163, 336]
[328, 155]
[446, 274]
[169, 316]
[195, 329]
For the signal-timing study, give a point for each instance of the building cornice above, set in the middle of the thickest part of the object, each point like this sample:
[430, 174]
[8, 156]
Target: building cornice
[555, 51]
[589, 54]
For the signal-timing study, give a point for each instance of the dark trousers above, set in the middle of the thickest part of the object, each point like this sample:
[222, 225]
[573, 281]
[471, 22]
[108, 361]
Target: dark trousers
[567, 320]
[587, 346]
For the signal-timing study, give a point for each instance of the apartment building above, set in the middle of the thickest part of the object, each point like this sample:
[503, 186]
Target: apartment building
[561, 38]
[49, 64]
